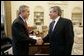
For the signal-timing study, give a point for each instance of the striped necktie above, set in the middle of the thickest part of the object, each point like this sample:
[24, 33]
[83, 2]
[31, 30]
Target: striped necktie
[51, 26]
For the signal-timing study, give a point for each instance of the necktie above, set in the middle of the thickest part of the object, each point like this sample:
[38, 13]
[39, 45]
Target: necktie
[51, 25]
[25, 23]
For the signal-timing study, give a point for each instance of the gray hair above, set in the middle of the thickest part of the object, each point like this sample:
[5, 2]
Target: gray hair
[22, 8]
[57, 9]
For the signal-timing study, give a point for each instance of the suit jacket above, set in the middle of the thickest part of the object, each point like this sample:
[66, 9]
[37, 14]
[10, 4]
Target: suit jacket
[20, 38]
[62, 38]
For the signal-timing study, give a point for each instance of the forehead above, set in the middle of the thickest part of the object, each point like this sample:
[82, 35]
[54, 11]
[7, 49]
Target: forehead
[26, 8]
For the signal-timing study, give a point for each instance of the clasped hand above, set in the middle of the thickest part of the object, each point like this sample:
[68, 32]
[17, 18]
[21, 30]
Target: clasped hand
[39, 41]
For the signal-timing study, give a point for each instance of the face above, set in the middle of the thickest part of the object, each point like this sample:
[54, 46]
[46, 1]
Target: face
[53, 14]
[26, 13]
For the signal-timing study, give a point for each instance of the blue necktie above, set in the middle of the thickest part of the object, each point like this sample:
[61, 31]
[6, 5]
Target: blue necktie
[51, 26]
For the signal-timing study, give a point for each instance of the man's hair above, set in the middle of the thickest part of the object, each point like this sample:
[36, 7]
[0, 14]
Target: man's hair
[57, 9]
[22, 8]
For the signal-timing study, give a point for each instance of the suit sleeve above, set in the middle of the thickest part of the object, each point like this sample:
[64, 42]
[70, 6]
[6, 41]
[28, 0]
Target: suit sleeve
[46, 38]
[19, 32]
[69, 37]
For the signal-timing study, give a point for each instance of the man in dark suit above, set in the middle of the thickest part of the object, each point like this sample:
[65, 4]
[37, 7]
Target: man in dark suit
[20, 33]
[60, 35]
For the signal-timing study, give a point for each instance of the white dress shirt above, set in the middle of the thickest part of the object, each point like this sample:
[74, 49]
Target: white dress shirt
[56, 20]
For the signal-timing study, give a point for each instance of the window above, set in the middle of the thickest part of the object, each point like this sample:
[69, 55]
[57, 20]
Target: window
[38, 16]
[77, 16]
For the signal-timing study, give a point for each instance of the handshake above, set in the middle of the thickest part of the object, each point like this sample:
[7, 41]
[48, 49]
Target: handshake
[39, 41]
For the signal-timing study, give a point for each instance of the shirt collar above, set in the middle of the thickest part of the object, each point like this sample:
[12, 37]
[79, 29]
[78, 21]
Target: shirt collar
[57, 18]
[22, 18]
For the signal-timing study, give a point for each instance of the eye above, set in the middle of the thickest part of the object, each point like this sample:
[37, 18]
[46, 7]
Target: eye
[50, 11]
[55, 11]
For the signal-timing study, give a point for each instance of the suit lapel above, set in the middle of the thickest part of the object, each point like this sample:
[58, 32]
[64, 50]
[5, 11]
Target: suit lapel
[23, 23]
[58, 26]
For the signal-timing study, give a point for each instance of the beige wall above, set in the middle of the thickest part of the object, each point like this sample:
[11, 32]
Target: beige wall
[32, 5]
[67, 7]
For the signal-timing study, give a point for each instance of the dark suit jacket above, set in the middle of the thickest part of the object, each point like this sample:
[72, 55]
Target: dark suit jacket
[62, 38]
[21, 38]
